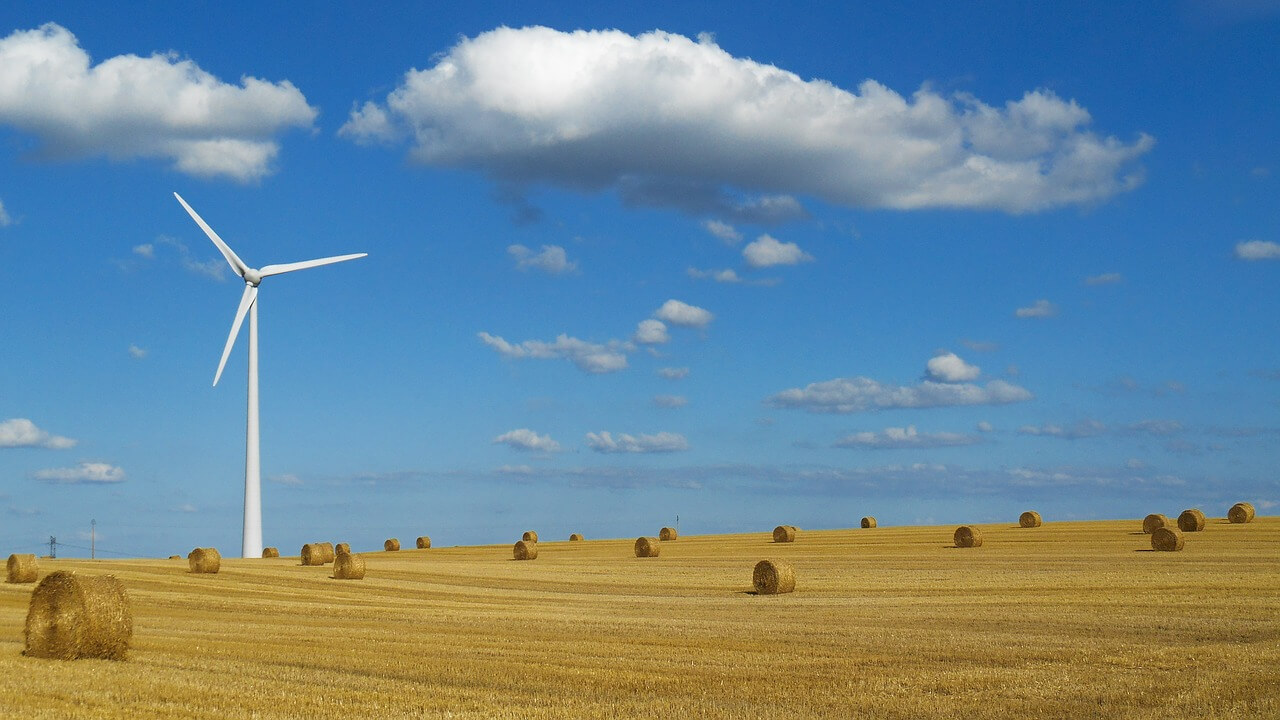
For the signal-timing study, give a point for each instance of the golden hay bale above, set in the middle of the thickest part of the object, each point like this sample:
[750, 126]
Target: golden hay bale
[968, 536]
[1241, 512]
[784, 534]
[204, 560]
[667, 533]
[327, 552]
[1153, 522]
[1191, 520]
[648, 546]
[23, 568]
[868, 522]
[270, 552]
[773, 577]
[1030, 519]
[1167, 538]
[391, 545]
[530, 536]
[175, 557]
[78, 616]
[423, 542]
[576, 537]
[315, 554]
[525, 550]
[341, 549]
[348, 567]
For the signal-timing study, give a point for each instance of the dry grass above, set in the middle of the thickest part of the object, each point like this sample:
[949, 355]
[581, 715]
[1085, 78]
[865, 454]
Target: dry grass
[893, 624]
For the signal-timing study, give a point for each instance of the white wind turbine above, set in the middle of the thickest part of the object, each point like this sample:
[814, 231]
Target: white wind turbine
[251, 545]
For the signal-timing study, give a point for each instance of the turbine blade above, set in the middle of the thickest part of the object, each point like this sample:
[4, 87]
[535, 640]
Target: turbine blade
[232, 259]
[270, 270]
[246, 302]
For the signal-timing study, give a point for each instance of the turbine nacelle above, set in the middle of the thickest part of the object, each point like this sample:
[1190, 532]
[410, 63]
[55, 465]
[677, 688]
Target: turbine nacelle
[252, 276]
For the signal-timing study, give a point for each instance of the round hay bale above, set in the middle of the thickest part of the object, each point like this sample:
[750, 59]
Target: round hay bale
[313, 554]
[525, 550]
[530, 536]
[1241, 512]
[78, 616]
[576, 537]
[327, 552]
[348, 567]
[391, 545]
[773, 577]
[175, 557]
[423, 542]
[1153, 522]
[1030, 519]
[341, 549]
[648, 546]
[204, 560]
[968, 536]
[667, 533]
[1191, 520]
[270, 552]
[784, 534]
[1167, 539]
[868, 522]
[23, 568]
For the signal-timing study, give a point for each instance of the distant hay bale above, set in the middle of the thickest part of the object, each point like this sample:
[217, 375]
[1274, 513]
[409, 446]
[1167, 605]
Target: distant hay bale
[391, 545]
[648, 546]
[968, 536]
[204, 560]
[525, 550]
[1153, 522]
[868, 522]
[327, 552]
[1241, 512]
[23, 568]
[1191, 520]
[175, 557]
[667, 533]
[576, 537]
[773, 577]
[270, 552]
[423, 542]
[530, 536]
[341, 549]
[315, 554]
[78, 616]
[1167, 539]
[348, 567]
[784, 534]
[1030, 519]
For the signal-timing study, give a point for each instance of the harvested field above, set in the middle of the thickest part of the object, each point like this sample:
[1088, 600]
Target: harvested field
[893, 624]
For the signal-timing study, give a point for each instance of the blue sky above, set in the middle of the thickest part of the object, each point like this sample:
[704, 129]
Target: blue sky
[742, 263]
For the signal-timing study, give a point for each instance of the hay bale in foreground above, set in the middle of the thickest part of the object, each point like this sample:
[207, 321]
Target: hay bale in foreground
[667, 533]
[391, 545]
[423, 542]
[1167, 539]
[23, 568]
[576, 537]
[78, 616]
[530, 536]
[341, 549]
[270, 552]
[314, 554]
[525, 550]
[868, 522]
[1191, 520]
[348, 567]
[1241, 512]
[968, 536]
[784, 534]
[1030, 519]
[204, 560]
[1154, 522]
[648, 546]
[773, 577]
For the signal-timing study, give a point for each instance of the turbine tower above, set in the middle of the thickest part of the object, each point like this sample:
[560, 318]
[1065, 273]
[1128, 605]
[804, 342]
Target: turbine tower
[251, 545]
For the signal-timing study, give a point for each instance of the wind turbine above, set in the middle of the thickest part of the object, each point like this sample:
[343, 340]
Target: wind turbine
[251, 545]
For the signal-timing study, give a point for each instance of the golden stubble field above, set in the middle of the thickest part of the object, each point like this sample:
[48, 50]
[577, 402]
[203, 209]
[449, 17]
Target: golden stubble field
[1072, 620]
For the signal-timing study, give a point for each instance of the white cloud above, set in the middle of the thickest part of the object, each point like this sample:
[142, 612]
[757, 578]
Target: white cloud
[684, 315]
[85, 472]
[663, 442]
[187, 508]
[528, 440]
[948, 367]
[674, 373]
[723, 230]
[1041, 309]
[5, 220]
[551, 259]
[129, 106]
[589, 357]
[670, 401]
[1258, 250]
[729, 275]
[286, 479]
[1112, 278]
[214, 267]
[895, 438]
[684, 123]
[1076, 431]
[986, 427]
[21, 432]
[860, 394]
[651, 332]
[146, 250]
[766, 251]
[136, 352]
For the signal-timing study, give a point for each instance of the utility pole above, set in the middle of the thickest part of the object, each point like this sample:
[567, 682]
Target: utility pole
[93, 538]
[53, 547]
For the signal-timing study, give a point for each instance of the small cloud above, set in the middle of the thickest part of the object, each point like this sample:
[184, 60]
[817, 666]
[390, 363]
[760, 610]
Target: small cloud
[187, 508]
[985, 427]
[1104, 279]
[673, 373]
[896, 438]
[21, 432]
[136, 352]
[766, 251]
[589, 357]
[527, 440]
[5, 220]
[862, 394]
[729, 276]
[948, 367]
[214, 268]
[1041, 309]
[146, 250]
[663, 442]
[1155, 427]
[1081, 429]
[684, 315]
[1258, 250]
[723, 230]
[650, 332]
[670, 401]
[286, 479]
[551, 259]
[92, 473]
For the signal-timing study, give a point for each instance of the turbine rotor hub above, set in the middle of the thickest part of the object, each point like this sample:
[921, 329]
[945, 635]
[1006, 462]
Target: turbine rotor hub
[252, 276]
